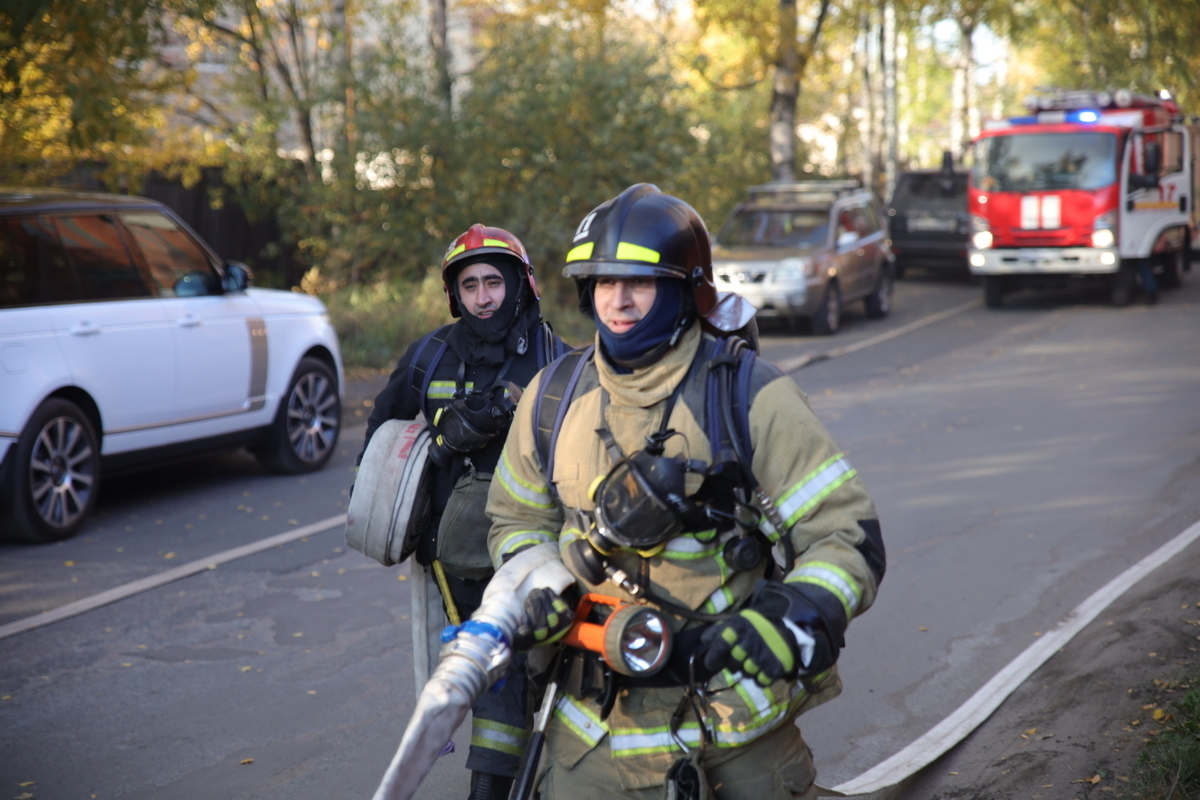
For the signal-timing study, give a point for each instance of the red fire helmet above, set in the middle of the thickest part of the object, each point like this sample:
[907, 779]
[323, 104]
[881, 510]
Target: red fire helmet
[483, 240]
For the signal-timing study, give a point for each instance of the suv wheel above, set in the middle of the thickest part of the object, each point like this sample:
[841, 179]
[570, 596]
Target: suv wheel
[828, 318]
[52, 475]
[879, 302]
[305, 431]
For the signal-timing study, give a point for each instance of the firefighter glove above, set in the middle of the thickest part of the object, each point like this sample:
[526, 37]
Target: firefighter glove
[755, 645]
[548, 617]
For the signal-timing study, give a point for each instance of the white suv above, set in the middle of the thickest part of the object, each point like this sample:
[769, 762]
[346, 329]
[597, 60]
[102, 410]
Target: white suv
[125, 340]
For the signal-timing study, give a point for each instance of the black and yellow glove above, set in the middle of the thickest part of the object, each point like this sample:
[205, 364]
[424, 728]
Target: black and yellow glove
[754, 645]
[548, 617]
[781, 634]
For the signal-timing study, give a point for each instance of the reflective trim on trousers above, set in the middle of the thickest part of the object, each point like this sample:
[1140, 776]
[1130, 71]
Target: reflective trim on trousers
[498, 736]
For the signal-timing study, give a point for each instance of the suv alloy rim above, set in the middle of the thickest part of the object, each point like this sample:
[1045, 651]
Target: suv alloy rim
[61, 472]
[311, 423]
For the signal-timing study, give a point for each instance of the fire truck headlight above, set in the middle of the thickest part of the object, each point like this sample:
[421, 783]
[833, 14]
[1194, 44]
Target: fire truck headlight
[1103, 237]
[978, 260]
[981, 240]
[1108, 259]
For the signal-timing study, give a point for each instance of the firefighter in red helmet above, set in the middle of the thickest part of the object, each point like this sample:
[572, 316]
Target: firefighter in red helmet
[462, 378]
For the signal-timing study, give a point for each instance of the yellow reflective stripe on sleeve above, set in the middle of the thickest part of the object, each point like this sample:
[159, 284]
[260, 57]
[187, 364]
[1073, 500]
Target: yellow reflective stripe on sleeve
[582, 722]
[813, 488]
[832, 579]
[496, 736]
[520, 490]
[627, 251]
[719, 600]
[496, 243]
[520, 538]
[581, 253]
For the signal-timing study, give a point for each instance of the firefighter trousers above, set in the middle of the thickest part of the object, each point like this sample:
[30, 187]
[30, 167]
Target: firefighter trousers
[499, 718]
[778, 766]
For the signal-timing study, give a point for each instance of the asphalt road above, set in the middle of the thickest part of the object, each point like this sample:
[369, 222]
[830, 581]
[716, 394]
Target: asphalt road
[1019, 458]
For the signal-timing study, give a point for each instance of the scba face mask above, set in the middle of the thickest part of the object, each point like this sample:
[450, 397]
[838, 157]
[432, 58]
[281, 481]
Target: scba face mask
[473, 421]
[642, 501]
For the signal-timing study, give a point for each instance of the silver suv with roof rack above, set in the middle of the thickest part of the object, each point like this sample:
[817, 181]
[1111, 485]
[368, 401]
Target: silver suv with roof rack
[803, 250]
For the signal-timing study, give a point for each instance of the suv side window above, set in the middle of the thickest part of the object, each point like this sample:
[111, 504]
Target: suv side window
[847, 232]
[32, 267]
[178, 265]
[93, 246]
[864, 221]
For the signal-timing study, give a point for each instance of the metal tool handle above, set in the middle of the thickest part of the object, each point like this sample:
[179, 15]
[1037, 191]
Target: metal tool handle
[523, 785]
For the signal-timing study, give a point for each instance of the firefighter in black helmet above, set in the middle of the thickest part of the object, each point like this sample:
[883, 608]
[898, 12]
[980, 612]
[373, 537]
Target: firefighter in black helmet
[758, 561]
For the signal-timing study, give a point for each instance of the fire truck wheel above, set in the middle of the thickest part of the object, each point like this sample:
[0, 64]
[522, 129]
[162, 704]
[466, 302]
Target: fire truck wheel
[1121, 287]
[994, 288]
[1173, 264]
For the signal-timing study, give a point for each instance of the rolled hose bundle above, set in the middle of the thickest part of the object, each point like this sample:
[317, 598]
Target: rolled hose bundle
[470, 663]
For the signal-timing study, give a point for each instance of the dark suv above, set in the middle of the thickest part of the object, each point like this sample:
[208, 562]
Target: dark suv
[927, 220]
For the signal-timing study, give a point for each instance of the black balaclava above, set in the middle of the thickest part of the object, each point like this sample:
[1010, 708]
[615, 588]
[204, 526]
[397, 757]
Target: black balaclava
[655, 333]
[489, 341]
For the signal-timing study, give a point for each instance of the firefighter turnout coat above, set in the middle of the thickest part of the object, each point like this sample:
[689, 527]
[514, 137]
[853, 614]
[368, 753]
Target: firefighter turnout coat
[831, 521]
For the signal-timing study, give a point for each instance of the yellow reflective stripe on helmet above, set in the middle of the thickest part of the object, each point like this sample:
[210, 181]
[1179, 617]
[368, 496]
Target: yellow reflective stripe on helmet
[518, 539]
[581, 253]
[496, 243]
[627, 251]
[814, 488]
[454, 252]
[496, 736]
[582, 722]
[832, 579]
[520, 490]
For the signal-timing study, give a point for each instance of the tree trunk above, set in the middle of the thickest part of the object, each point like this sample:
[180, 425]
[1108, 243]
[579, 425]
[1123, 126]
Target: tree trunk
[784, 92]
[962, 130]
[890, 124]
[440, 45]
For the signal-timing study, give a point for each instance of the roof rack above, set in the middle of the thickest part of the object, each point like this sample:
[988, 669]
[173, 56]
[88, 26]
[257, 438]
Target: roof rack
[800, 191]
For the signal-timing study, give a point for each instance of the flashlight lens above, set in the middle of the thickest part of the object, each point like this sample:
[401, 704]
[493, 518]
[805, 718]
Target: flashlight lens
[644, 642]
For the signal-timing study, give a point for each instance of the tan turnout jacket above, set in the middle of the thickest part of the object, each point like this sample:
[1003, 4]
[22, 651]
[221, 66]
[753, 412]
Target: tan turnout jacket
[815, 489]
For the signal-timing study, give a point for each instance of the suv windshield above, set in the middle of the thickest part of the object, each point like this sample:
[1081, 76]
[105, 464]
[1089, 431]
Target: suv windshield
[776, 228]
[931, 191]
[1032, 161]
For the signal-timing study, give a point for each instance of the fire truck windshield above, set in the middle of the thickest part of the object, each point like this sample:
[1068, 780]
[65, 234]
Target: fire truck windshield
[1024, 162]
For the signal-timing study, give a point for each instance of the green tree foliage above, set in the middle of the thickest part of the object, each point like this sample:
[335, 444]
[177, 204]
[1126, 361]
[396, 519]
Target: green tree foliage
[78, 81]
[1145, 45]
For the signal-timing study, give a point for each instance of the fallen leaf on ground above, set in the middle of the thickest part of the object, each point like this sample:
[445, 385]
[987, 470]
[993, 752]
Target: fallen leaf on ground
[247, 761]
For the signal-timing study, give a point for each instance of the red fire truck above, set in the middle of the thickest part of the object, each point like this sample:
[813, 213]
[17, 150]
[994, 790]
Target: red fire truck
[1098, 186]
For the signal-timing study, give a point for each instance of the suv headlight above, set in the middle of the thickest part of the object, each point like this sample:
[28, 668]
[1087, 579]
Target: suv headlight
[791, 269]
[1103, 234]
